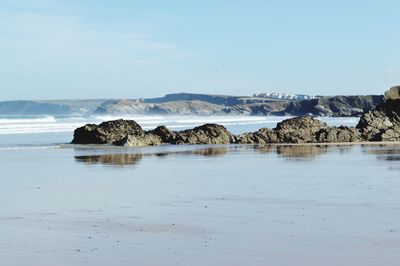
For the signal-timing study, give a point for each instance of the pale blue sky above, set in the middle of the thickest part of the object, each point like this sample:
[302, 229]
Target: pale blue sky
[129, 49]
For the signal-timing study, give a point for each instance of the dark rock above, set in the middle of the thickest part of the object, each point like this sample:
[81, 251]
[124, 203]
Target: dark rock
[299, 130]
[393, 93]
[338, 134]
[262, 136]
[166, 135]
[129, 133]
[146, 139]
[107, 132]
[205, 134]
[382, 124]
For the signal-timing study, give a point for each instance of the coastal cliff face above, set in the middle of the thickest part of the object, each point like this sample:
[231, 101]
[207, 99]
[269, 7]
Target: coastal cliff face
[50, 107]
[197, 104]
[188, 107]
[201, 104]
[380, 124]
[334, 106]
[32, 108]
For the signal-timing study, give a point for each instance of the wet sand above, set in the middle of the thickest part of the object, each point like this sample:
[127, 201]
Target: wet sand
[201, 205]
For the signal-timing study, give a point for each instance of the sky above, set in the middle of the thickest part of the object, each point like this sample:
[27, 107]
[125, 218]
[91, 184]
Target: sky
[131, 49]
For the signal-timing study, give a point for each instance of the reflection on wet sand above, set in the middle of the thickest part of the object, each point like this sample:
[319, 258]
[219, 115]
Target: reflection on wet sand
[110, 159]
[289, 152]
[134, 158]
[212, 151]
[383, 152]
[294, 151]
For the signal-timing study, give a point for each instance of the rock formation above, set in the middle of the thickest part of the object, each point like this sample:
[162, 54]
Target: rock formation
[301, 130]
[295, 130]
[110, 132]
[393, 93]
[381, 124]
[129, 133]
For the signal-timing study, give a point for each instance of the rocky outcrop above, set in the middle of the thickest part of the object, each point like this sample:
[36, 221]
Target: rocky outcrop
[294, 130]
[381, 124]
[301, 130]
[111, 132]
[205, 134]
[129, 133]
[393, 93]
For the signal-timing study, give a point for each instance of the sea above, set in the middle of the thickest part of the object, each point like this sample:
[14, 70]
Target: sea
[48, 131]
[64, 204]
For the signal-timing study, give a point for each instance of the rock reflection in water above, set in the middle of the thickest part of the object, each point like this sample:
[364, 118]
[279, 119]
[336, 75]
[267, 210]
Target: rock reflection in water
[290, 152]
[383, 152]
[300, 152]
[134, 158]
[217, 151]
[110, 159]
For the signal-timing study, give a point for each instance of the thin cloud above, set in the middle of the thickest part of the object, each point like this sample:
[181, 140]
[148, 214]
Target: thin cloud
[58, 39]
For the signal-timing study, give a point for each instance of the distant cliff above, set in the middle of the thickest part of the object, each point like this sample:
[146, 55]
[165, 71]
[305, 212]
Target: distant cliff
[226, 100]
[333, 106]
[49, 107]
[187, 107]
[203, 104]
[32, 108]
[197, 104]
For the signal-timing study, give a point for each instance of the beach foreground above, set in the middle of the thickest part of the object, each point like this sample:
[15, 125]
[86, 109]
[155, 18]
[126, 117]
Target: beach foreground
[207, 205]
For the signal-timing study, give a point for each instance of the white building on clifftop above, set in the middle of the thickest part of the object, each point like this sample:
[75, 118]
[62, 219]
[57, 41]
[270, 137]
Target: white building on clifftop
[284, 96]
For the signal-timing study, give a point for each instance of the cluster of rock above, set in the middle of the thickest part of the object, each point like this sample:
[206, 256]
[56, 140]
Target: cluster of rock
[129, 133]
[301, 130]
[381, 124]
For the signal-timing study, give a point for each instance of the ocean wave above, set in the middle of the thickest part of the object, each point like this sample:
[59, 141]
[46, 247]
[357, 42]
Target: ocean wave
[22, 147]
[27, 120]
[38, 128]
[51, 124]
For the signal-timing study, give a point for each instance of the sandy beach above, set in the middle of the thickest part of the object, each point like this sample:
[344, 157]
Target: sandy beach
[201, 205]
